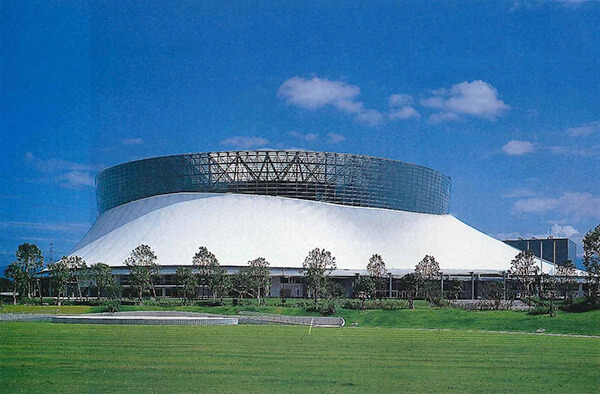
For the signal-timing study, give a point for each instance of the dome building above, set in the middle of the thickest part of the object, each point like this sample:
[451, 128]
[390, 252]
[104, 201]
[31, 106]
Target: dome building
[280, 205]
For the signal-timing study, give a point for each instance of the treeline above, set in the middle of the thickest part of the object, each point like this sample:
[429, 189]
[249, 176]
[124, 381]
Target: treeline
[206, 278]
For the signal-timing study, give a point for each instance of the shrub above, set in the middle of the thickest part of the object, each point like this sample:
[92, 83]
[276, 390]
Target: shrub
[324, 308]
[112, 306]
[542, 310]
[580, 305]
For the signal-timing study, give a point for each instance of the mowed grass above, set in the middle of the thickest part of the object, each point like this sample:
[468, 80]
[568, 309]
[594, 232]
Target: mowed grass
[46, 357]
[587, 323]
[49, 309]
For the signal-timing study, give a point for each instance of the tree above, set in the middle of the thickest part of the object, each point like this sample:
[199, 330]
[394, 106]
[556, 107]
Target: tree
[15, 274]
[241, 282]
[59, 275]
[187, 282]
[260, 277]
[428, 270]
[377, 271]
[565, 275]
[102, 275]
[316, 269]
[363, 287]
[410, 283]
[217, 280]
[143, 270]
[454, 288]
[591, 261]
[31, 262]
[495, 292]
[524, 269]
[77, 268]
[202, 260]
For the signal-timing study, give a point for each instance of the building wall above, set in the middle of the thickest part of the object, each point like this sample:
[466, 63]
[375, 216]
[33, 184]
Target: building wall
[329, 177]
[555, 250]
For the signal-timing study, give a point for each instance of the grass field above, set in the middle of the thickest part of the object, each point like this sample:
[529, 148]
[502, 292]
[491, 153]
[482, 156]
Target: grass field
[587, 323]
[45, 357]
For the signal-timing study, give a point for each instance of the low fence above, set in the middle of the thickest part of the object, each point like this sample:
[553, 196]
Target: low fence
[317, 321]
[146, 319]
[7, 317]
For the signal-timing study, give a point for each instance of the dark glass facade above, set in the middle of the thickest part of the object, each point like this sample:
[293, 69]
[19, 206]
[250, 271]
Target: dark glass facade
[329, 177]
[555, 250]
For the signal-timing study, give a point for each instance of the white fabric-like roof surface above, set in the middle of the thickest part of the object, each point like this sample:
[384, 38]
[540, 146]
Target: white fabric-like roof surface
[238, 228]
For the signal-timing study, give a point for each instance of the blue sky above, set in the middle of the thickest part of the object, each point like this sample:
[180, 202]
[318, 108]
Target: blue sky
[502, 96]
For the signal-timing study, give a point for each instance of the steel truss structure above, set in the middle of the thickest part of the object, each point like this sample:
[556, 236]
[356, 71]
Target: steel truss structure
[319, 176]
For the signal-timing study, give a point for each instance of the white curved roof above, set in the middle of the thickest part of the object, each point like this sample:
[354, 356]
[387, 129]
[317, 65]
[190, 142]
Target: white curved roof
[238, 228]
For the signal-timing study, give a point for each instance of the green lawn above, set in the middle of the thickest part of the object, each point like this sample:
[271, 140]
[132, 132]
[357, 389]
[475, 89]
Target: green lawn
[46, 357]
[587, 323]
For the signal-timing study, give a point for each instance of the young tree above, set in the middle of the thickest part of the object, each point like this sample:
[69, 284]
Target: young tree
[377, 272]
[218, 280]
[102, 275]
[187, 282]
[428, 270]
[524, 269]
[77, 269]
[241, 282]
[411, 283]
[143, 269]
[201, 261]
[15, 274]
[565, 275]
[454, 288]
[260, 277]
[59, 275]
[591, 261]
[31, 262]
[316, 269]
[495, 292]
[363, 287]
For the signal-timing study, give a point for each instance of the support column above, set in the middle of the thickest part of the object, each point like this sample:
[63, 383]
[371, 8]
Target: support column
[504, 285]
[442, 283]
[472, 286]
[390, 287]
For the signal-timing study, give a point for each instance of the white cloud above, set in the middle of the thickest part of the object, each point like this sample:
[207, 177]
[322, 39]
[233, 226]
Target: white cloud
[55, 165]
[442, 117]
[316, 93]
[518, 148]
[76, 179]
[580, 205]
[563, 231]
[535, 204]
[519, 193]
[405, 112]
[334, 138]
[400, 100]
[133, 141]
[575, 205]
[370, 117]
[321, 92]
[556, 231]
[585, 129]
[476, 98]
[304, 136]
[505, 236]
[243, 142]
[68, 174]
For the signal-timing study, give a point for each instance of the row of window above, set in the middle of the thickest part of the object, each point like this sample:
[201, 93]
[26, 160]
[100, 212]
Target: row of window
[336, 178]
